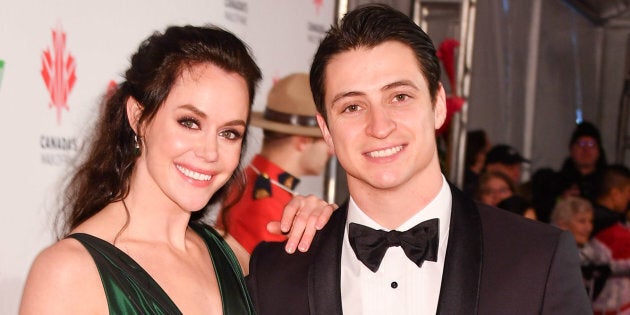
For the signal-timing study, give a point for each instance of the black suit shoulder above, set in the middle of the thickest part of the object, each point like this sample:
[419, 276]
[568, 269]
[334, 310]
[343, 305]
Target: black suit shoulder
[279, 282]
[504, 226]
[272, 254]
[523, 257]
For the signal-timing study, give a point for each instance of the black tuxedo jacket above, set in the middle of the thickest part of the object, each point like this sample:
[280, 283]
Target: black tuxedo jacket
[496, 263]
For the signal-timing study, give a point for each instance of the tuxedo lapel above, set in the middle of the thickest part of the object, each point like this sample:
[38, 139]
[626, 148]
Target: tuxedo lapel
[459, 293]
[324, 283]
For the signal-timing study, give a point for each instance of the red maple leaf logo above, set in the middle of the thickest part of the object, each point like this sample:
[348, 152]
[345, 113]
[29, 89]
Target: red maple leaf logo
[58, 72]
[318, 4]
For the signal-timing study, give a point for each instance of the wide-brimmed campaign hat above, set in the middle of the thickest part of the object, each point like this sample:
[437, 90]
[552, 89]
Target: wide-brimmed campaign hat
[290, 108]
[502, 153]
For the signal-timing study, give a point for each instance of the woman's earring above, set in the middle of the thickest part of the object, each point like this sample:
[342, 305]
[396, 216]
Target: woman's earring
[136, 146]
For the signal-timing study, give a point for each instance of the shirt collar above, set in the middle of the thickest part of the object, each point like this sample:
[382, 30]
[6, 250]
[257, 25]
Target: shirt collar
[439, 207]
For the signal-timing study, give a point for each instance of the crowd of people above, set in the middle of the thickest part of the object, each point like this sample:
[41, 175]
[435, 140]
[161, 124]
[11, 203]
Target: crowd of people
[586, 196]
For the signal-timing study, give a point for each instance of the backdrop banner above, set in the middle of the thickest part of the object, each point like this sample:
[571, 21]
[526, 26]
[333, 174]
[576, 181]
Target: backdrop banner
[57, 61]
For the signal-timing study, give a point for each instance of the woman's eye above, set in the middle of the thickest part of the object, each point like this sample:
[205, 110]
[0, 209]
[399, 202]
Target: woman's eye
[189, 123]
[230, 134]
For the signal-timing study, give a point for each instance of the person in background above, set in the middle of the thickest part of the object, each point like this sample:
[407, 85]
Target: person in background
[494, 187]
[166, 143]
[292, 147]
[406, 242]
[518, 205]
[477, 145]
[610, 248]
[505, 159]
[546, 187]
[574, 214]
[586, 160]
[612, 195]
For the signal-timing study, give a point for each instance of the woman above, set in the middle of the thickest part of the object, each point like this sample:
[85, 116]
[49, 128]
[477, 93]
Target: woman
[167, 142]
[574, 214]
[494, 187]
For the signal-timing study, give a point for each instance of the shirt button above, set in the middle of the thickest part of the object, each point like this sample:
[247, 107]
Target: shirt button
[394, 285]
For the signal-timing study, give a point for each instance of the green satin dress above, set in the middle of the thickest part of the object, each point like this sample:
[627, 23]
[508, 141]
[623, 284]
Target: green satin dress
[131, 290]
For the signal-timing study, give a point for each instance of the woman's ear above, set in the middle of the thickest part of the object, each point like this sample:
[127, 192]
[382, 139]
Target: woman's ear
[134, 111]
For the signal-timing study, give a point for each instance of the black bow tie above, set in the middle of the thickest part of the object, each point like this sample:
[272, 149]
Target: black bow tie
[419, 243]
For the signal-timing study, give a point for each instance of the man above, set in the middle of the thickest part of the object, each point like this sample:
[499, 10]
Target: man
[505, 159]
[609, 243]
[612, 197]
[292, 147]
[375, 81]
[609, 247]
[586, 160]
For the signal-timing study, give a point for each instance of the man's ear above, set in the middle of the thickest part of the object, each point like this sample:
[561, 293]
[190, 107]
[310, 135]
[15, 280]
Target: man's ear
[325, 132]
[301, 142]
[134, 111]
[439, 109]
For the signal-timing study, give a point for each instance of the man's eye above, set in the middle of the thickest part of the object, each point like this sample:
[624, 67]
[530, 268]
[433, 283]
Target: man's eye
[351, 108]
[401, 97]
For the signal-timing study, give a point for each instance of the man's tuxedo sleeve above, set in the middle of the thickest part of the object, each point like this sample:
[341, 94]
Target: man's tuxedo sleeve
[565, 293]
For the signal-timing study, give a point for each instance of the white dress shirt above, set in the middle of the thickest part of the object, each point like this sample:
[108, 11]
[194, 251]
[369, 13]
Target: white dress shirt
[399, 286]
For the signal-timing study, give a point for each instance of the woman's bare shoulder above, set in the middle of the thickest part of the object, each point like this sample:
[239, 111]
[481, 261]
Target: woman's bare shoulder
[239, 251]
[63, 277]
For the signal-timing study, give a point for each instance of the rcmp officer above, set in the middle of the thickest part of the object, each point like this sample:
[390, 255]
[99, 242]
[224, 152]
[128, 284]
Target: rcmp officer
[292, 147]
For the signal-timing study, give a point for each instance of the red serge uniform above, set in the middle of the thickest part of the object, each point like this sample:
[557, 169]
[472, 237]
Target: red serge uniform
[266, 193]
[612, 246]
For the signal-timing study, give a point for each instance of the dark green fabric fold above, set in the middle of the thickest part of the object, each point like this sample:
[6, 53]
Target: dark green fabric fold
[131, 290]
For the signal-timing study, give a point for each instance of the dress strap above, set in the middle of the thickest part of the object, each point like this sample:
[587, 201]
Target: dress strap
[234, 294]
